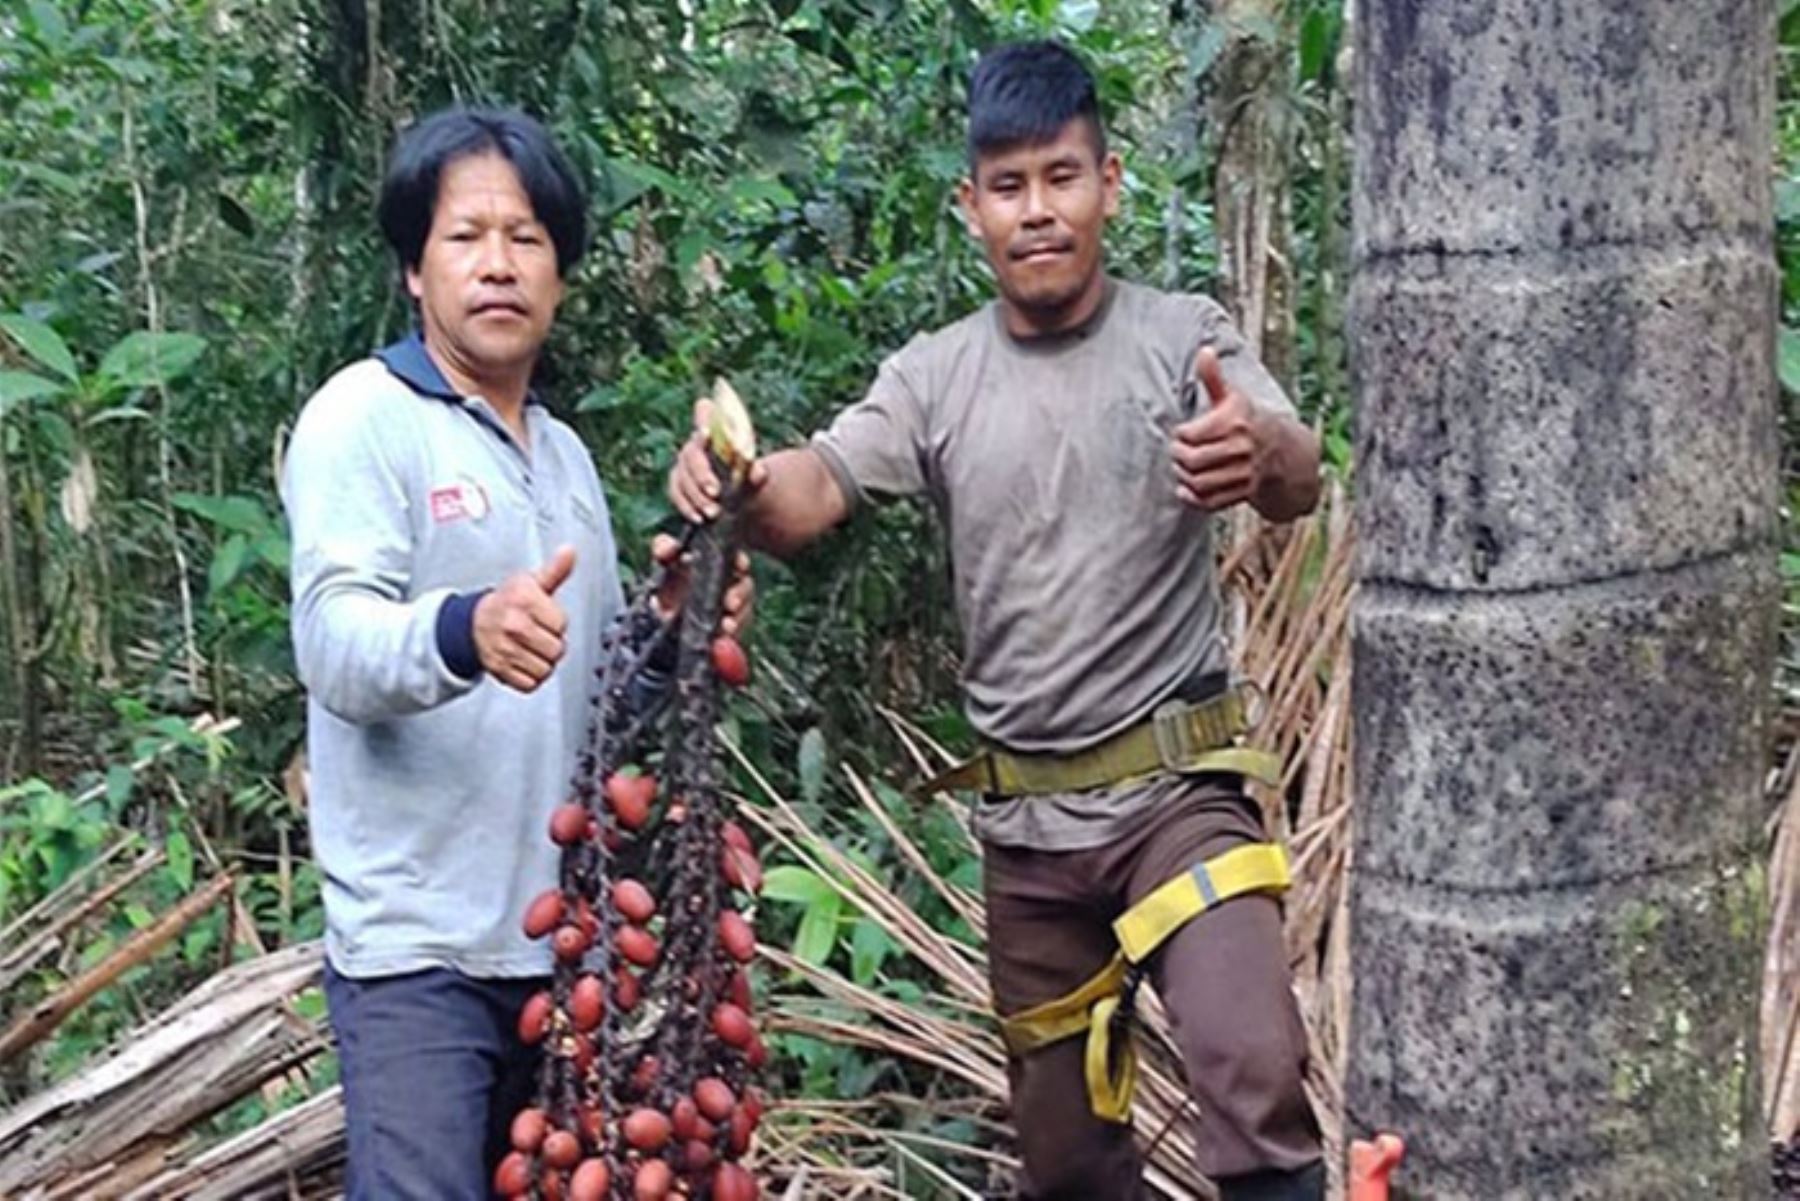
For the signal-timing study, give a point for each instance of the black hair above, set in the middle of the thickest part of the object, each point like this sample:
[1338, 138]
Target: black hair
[410, 191]
[1024, 93]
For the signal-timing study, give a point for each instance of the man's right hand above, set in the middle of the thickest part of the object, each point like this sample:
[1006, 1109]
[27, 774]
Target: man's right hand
[693, 485]
[519, 626]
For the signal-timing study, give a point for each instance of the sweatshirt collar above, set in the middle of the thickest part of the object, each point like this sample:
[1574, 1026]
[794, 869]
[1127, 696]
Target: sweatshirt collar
[409, 362]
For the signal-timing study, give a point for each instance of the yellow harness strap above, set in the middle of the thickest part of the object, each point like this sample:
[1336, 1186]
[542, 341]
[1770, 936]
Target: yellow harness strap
[1107, 997]
[1177, 737]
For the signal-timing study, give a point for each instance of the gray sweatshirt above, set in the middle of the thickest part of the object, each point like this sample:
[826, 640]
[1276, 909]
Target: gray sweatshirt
[431, 784]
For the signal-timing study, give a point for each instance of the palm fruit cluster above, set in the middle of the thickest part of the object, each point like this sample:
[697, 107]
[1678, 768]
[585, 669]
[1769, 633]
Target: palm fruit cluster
[650, 1050]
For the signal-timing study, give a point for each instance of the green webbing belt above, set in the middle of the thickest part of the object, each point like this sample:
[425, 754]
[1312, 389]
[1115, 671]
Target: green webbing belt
[1179, 737]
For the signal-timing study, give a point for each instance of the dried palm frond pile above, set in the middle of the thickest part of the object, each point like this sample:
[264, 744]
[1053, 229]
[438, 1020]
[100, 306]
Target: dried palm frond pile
[1780, 1022]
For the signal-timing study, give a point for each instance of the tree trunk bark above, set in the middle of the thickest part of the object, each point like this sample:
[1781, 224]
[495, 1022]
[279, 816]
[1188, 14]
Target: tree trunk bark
[1245, 95]
[1564, 315]
[1248, 115]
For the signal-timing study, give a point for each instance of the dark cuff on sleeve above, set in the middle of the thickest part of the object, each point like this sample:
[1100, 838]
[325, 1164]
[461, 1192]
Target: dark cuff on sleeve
[456, 633]
[662, 660]
[833, 458]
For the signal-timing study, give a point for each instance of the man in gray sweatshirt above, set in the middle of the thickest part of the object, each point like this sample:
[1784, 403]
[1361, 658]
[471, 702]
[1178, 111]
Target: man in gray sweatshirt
[453, 571]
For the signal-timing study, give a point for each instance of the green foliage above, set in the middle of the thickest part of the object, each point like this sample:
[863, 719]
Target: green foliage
[1787, 245]
[44, 836]
[41, 343]
[822, 909]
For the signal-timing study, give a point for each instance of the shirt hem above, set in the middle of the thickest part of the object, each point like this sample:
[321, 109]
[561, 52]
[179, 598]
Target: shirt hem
[371, 967]
[854, 496]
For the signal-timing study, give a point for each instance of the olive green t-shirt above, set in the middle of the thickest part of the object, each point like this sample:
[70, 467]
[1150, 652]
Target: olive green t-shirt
[1084, 586]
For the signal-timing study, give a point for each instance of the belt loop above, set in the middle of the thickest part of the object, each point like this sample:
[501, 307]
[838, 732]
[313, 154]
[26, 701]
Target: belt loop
[1172, 729]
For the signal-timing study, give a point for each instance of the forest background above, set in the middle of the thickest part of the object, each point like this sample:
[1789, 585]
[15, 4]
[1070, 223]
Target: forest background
[187, 250]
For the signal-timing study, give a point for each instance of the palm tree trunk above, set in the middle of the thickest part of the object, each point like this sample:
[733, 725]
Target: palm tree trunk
[1564, 315]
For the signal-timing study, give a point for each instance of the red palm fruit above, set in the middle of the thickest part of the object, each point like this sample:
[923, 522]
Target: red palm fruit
[550, 1185]
[684, 1118]
[637, 945]
[733, 1183]
[652, 1181]
[741, 869]
[755, 1055]
[544, 913]
[584, 917]
[528, 1128]
[513, 1176]
[736, 936]
[534, 1018]
[633, 901]
[754, 1102]
[570, 943]
[704, 1130]
[647, 1129]
[714, 1098]
[626, 990]
[590, 1181]
[581, 1053]
[743, 1125]
[737, 990]
[696, 1156]
[643, 1076]
[588, 1120]
[630, 798]
[587, 1002]
[562, 1149]
[734, 836]
[732, 1025]
[568, 824]
[730, 661]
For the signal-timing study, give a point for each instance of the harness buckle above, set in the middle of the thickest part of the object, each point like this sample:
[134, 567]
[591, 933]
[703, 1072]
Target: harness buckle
[1256, 702]
[1177, 748]
[1128, 991]
[1119, 1025]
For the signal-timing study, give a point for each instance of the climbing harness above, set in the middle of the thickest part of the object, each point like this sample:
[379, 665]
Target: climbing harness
[1105, 1004]
[1179, 737]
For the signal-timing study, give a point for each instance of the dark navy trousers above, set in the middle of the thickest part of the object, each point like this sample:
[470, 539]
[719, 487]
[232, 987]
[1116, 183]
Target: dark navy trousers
[433, 1072]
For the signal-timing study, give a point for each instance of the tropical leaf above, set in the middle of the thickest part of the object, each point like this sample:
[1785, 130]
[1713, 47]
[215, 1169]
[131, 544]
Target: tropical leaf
[41, 343]
[143, 359]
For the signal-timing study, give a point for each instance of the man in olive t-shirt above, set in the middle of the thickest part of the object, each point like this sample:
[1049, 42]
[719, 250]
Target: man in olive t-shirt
[1075, 436]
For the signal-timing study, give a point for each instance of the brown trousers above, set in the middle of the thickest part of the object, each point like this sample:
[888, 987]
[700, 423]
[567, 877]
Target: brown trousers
[1223, 979]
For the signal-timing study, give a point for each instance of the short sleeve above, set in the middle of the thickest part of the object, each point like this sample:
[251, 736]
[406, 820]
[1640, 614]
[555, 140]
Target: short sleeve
[877, 446]
[1243, 370]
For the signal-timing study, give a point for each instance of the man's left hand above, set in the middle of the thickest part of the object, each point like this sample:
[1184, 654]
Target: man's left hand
[740, 594]
[1219, 455]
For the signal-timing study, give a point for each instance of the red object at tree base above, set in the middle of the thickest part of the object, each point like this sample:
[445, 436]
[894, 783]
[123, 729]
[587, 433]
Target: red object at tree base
[1371, 1163]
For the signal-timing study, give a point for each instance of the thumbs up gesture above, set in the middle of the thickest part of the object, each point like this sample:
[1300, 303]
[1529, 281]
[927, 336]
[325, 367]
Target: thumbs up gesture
[1219, 454]
[519, 626]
